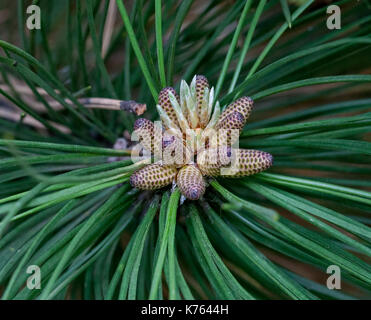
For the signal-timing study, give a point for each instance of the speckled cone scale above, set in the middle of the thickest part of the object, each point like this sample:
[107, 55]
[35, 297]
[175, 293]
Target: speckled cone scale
[242, 105]
[202, 84]
[145, 130]
[191, 182]
[230, 128]
[165, 104]
[153, 176]
[208, 162]
[249, 162]
[174, 152]
[211, 161]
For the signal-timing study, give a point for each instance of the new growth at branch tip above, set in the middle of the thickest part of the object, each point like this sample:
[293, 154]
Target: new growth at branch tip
[196, 140]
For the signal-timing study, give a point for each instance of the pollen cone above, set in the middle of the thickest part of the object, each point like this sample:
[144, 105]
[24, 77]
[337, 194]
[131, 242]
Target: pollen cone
[231, 163]
[153, 176]
[174, 152]
[242, 105]
[243, 162]
[165, 104]
[202, 108]
[208, 163]
[190, 182]
[229, 128]
[144, 129]
[148, 137]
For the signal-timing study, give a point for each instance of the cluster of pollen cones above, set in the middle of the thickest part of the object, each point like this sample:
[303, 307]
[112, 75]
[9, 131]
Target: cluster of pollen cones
[195, 140]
